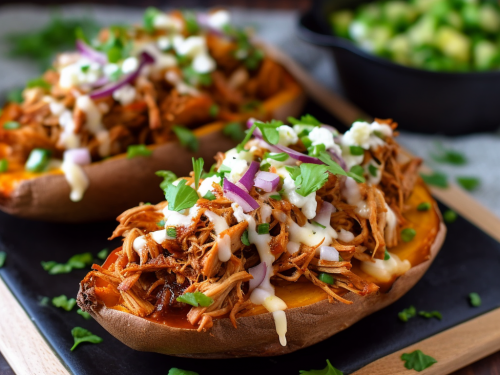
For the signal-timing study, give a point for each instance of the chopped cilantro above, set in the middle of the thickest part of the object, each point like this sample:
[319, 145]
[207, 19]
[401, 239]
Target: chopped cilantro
[469, 183]
[408, 234]
[192, 25]
[161, 224]
[195, 299]
[417, 360]
[198, 170]
[84, 314]
[448, 156]
[357, 150]
[435, 179]
[408, 313]
[138, 150]
[210, 196]
[15, 96]
[103, 254]
[244, 238]
[326, 278]
[38, 82]
[269, 131]
[82, 335]
[181, 196]
[172, 232]
[475, 299]
[196, 79]
[424, 206]
[430, 314]
[450, 216]
[328, 370]
[3, 256]
[178, 371]
[357, 170]
[64, 303]
[282, 156]
[78, 261]
[263, 228]
[186, 137]
[149, 18]
[4, 165]
[387, 256]
[265, 167]
[373, 170]
[312, 177]
[234, 131]
[304, 120]
[213, 111]
[276, 197]
[168, 178]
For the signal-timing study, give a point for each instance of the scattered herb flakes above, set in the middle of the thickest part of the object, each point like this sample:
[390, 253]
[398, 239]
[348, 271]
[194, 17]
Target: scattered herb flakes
[387, 256]
[195, 299]
[450, 216]
[475, 299]
[263, 228]
[180, 196]
[408, 234]
[373, 170]
[77, 261]
[186, 137]
[80, 261]
[3, 256]
[4, 165]
[172, 232]
[312, 177]
[138, 150]
[11, 125]
[63, 302]
[234, 131]
[449, 156]
[469, 183]
[84, 314]
[15, 96]
[210, 196]
[213, 111]
[178, 371]
[328, 370]
[304, 120]
[430, 314]
[82, 335]
[435, 179]
[356, 150]
[326, 278]
[148, 19]
[417, 360]
[168, 178]
[408, 313]
[424, 206]
[103, 254]
[197, 170]
[196, 79]
[276, 197]
[244, 238]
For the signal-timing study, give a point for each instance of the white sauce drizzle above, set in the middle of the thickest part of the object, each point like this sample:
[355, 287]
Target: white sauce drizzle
[77, 179]
[385, 270]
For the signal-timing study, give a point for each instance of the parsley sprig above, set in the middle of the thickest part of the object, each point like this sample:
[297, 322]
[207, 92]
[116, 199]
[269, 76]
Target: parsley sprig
[180, 196]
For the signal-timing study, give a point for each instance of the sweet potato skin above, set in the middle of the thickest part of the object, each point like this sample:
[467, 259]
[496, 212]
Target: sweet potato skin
[255, 335]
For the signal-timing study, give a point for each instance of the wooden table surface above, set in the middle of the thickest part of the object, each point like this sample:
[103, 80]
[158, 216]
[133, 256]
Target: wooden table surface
[486, 366]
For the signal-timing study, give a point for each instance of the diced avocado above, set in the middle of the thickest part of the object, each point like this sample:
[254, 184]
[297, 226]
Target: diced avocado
[340, 22]
[489, 18]
[423, 31]
[453, 43]
[485, 55]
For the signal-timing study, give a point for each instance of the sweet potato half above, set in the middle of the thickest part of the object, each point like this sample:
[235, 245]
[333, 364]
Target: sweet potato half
[311, 318]
[118, 183]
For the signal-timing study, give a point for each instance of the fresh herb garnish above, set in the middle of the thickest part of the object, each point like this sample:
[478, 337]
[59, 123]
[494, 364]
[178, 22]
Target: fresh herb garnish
[263, 228]
[357, 150]
[63, 302]
[336, 169]
[84, 314]
[148, 19]
[244, 238]
[304, 120]
[282, 156]
[430, 314]
[265, 167]
[312, 177]
[103, 254]
[276, 197]
[180, 196]
[186, 137]
[78, 261]
[213, 111]
[138, 150]
[172, 232]
[373, 170]
[4, 165]
[424, 206]
[82, 335]
[417, 360]
[168, 178]
[198, 170]
[196, 79]
[435, 179]
[469, 183]
[15, 96]
[450, 216]
[387, 256]
[408, 313]
[195, 299]
[192, 25]
[3, 256]
[318, 224]
[448, 156]
[475, 299]
[408, 234]
[38, 82]
[316, 150]
[161, 224]
[306, 141]
[85, 68]
[11, 125]
[328, 370]
[326, 278]
[38, 160]
[357, 170]
[210, 196]
[178, 371]
[269, 130]
[234, 131]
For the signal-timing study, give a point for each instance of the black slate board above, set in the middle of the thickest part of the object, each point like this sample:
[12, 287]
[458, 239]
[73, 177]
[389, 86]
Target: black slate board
[468, 262]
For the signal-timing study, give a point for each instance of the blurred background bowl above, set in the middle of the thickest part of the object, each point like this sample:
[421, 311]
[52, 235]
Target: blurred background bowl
[419, 100]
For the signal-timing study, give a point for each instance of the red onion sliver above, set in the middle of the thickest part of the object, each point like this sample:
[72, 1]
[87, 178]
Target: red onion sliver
[338, 159]
[90, 53]
[108, 90]
[80, 156]
[324, 215]
[238, 195]
[328, 253]
[298, 156]
[267, 181]
[259, 274]
[247, 179]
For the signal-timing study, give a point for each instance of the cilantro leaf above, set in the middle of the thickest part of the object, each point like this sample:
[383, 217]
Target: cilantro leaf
[282, 156]
[195, 299]
[192, 25]
[181, 196]
[82, 335]
[417, 360]
[77, 261]
[408, 313]
[294, 172]
[435, 179]
[336, 169]
[103, 254]
[269, 131]
[430, 314]
[178, 371]
[213, 111]
[3, 256]
[84, 314]
[475, 299]
[196, 79]
[138, 150]
[198, 170]
[168, 178]
[186, 137]
[250, 131]
[450, 216]
[408, 234]
[234, 131]
[149, 18]
[312, 177]
[38, 82]
[328, 370]
[11, 125]
[448, 156]
[304, 120]
[469, 183]
[80, 261]
[4, 165]
[63, 302]
[15, 96]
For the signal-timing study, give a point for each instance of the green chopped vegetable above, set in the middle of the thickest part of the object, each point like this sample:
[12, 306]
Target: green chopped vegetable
[387, 256]
[269, 130]
[358, 170]
[213, 111]
[234, 131]
[450, 216]
[172, 232]
[263, 228]
[408, 313]
[469, 183]
[82, 335]
[328, 370]
[64, 303]
[186, 137]
[178, 371]
[312, 177]
[168, 178]
[103, 254]
[38, 82]
[4, 165]
[210, 196]
[430, 314]
[149, 19]
[161, 224]
[326, 278]
[318, 224]
[408, 234]
[181, 196]
[448, 156]
[138, 150]
[15, 96]
[276, 197]
[244, 238]
[373, 170]
[38, 160]
[357, 150]
[195, 299]
[196, 79]
[192, 25]
[304, 120]
[424, 206]
[435, 179]
[282, 156]
[3, 256]
[417, 360]
[78, 261]
[198, 170]
[84, 314]
[11, 125]
[475, 299]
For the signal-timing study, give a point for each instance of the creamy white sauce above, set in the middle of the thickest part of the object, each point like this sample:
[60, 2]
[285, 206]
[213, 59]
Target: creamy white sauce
[68, 139]
[203, 63]
[287, 135]
[352, 195]
[311, 235]
[385, 270]
[174, 218]
[292, 247]
[345, 236]
[158, 236]
[125, 94]
[238, 162]
[164, 21]
[307, 204]
[219, 19]
[207, 185]
[77, 179]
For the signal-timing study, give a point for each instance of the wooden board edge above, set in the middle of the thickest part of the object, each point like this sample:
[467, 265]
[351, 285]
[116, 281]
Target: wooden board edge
[453, 349]
[22, 345]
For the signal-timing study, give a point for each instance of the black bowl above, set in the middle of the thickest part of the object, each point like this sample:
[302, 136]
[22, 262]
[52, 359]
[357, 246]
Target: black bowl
[419, 100]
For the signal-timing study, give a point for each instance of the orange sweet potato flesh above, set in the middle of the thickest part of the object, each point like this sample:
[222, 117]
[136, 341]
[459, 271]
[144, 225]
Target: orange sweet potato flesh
[311, 318]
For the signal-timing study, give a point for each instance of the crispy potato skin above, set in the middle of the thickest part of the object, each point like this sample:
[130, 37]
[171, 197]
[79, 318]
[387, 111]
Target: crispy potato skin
[120, 183]
[255, 335]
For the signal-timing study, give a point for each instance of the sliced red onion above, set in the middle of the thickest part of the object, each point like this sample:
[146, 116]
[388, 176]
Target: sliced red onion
[328, 253]
[267, 181]
[80, 156]
[259, 274]
[108, 90]
[90, 53]
[298, 155]
[240, 196]
[247, 179]
[324, 215]
[338, 159]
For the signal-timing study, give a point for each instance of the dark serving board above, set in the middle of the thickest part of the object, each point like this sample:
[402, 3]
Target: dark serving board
[468, 262]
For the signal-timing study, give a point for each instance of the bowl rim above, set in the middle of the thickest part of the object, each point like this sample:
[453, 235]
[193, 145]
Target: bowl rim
[320, 38]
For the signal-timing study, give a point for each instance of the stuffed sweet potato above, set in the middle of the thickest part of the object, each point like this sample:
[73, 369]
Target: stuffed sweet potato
[132, 91]
[292, 237]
